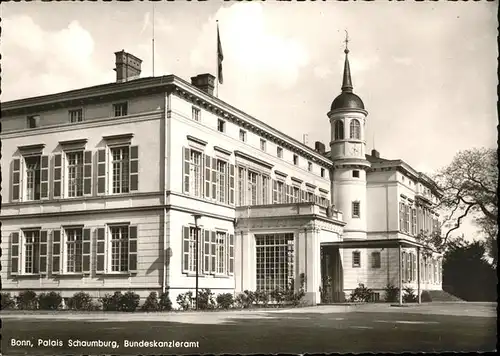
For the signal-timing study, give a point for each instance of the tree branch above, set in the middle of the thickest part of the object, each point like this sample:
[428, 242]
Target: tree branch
[459, 220]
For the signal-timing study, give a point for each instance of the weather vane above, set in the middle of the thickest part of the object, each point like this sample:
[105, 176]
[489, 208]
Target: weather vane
[346, 41]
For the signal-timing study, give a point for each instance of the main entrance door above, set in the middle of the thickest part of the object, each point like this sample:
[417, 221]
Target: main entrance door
[332, 276]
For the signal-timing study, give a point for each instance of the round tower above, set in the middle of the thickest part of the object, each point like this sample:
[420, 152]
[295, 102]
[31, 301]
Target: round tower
[347, 148]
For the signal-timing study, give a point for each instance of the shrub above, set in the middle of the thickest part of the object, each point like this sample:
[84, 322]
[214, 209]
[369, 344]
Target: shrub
[262, 297]
[293, 297]
[426, 297]
[278, 295]
[80, 301]
[129, 302]
[206, 299]
[184, 300]
[324, 295]
[164, 301]
[111, 302]
[151, 303]
[27, 300]
[361, 294]
[49, 301]
[245, 299]
[409, 295]
[391, 293]
[225, 300]
[8, 302]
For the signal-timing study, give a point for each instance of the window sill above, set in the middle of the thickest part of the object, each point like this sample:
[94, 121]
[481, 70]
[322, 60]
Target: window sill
[117, 274]
[29, 275]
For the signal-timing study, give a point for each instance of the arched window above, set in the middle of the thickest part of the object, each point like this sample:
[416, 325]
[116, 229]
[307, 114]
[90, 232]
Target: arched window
[355, 129]
[339, 130]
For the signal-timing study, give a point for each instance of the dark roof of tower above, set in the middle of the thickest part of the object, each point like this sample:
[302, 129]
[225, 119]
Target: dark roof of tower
[347, 99]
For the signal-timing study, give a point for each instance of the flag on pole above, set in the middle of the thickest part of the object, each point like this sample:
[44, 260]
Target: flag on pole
[220, 57]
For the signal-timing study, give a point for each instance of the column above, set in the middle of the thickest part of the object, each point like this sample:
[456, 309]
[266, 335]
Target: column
[400, 279]
[419, 296]
[313, 266]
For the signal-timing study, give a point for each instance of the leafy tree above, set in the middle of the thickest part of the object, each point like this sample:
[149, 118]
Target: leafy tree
[469, 188]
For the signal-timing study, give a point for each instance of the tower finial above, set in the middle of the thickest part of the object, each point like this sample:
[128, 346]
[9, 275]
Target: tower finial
[347, 82]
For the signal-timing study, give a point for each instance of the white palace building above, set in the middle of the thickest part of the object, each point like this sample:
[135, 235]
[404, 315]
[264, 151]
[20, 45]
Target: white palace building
[108, 188]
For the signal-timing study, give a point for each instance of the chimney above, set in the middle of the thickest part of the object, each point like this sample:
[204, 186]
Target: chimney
[204, 82]
[319, 147]
[375, 153]
[128, 67]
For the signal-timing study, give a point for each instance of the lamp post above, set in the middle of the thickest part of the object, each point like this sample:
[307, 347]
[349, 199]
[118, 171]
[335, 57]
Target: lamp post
[196, 263]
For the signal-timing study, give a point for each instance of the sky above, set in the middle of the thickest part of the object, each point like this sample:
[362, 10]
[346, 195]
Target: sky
[426, 71]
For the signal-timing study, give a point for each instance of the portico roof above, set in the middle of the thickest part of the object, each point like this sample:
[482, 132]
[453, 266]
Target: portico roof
[375, 243]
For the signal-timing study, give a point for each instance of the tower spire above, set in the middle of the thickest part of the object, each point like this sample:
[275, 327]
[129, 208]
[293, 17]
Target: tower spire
[347, 82]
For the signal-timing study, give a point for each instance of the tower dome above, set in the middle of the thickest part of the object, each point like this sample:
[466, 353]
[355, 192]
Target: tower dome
[347, 99]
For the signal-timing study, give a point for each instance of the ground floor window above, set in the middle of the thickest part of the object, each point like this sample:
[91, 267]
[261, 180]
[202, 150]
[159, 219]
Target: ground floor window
[275, 265]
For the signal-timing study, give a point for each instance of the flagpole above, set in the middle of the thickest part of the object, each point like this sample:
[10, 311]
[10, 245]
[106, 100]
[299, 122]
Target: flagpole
[153, 41]
[217, 63]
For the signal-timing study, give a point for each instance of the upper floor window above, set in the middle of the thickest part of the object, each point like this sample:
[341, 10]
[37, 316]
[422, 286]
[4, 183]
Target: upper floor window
[74, 250]
[322, 173]
[75, 174]
[243, 135]
[120, 109]
[221, 125]
[265, 190]
[279, 192]
[295, 160]
[252, 188]
[196, 114]
[339, 130]
[120, 168]
[75, 115]
[33, 178]
[33, 121]
[221, 181]
[296, 194]
[119, 248]
[195, 173]
[355, 209]
[356, 259]
[376, 259]
[309, 166]
[355, 129]
[355, 174]
[241, 186]
[279, 152]
[262, 145]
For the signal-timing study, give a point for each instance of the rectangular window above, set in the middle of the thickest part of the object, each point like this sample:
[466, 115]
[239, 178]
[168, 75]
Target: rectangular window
[74, 248]
[31, 251]
[33, 178]
[120, 167]
[356, 259]
[322, 173]
[279, 152]
[310, 197]
[295, 160]
[75, 174]
[243, 135]
[196, 113]
[119, 248]
[120, 109]
[376, 259]
[33, 121]
[263, 145]
[401, 216]
[355, 174]
[355, 209]
[221, 181]
[309, 166]
[221, 125]
[265, 190]
[220, 253]
[280, 189]
[252, 188]
[274, 261]
[296, 194]
[413, 221]
[189, 247]
[407, 218]
[241, 186]
[75, 115]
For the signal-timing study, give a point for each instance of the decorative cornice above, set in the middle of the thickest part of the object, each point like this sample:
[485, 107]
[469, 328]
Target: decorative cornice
[35, 147]
[279, 173]
[196, 140]
[310, 185]
[126, 136]
[81, 141]
[323, 190]
[403, 196]
[222, 150]
[297, 180]
[253, 159]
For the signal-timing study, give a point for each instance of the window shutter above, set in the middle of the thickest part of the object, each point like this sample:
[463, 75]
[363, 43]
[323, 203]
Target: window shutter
[231, 255]
[185, 249]
[57, 175]
[134, 168]
[275, 192]
[42, 262]
[186, 153]
[15, 257]
[101, 171]
[231, 183]
[212, 266]
[87, 173]
[56, 252]
[206, 251]
[207, 176]
[214, 178]
[44, 177]
[16, 179]
[86, 251]
[101, 250]
[132, 249]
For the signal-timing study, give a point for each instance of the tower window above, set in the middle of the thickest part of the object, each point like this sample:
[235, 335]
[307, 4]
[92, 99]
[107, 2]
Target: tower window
[355, 209]
[33, 121]
[355, 174]
[356, 259]
[355, 129]
[339, 130]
